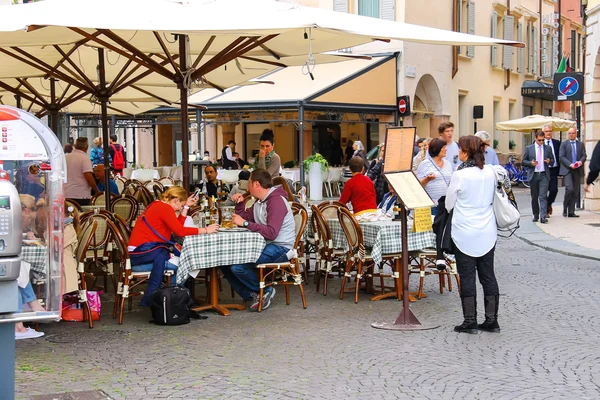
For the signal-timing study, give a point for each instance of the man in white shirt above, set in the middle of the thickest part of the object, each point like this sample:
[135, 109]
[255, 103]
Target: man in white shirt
[554, 168]
[80, 174]
[227, 156]
[446, 131]
[537, 158]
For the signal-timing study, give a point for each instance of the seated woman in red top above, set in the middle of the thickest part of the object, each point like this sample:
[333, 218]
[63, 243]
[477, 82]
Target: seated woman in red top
[150, 240]
[359, 190]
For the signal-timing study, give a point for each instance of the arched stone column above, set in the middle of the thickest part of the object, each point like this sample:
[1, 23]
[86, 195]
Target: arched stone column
[592, 97]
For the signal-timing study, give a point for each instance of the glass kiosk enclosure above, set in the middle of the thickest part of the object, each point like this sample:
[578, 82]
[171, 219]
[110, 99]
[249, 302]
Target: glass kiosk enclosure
[33, 158]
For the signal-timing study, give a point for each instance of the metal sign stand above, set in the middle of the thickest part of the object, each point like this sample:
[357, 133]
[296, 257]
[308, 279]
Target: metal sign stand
[406, 320]
[398, 172]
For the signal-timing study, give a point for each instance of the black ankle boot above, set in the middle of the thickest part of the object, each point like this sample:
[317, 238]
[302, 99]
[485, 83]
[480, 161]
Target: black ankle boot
[469, 325]
[491, 314]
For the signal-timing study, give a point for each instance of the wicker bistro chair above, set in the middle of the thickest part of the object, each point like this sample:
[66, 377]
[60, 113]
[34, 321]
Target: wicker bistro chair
[155, 187]
[126, 207]
[327, 254]
[422, 262]
[357, 256]
[100, 200]
[290, 269]
[85, 241]
[167, 181]
[120, 182]
[73, 204]
[128, 279]
[100, 253]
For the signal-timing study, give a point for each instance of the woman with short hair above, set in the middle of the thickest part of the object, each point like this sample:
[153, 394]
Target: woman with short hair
[97, 152]
[150, 245]
[435, 172]
[470, 195]
[359, 151]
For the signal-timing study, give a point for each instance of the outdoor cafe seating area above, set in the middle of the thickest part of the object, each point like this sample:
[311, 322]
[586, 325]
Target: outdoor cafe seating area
[330, 245]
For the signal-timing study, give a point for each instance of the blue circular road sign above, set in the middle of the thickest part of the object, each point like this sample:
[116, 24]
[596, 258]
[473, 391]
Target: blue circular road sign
[568, 86]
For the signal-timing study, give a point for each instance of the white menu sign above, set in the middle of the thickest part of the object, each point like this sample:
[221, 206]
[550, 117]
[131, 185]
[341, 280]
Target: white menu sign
[20, 142]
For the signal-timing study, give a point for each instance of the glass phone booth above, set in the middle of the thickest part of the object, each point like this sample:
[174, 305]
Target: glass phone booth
[32, 173]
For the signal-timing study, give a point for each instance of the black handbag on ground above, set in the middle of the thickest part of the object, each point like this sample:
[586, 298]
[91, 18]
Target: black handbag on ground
[170, 305]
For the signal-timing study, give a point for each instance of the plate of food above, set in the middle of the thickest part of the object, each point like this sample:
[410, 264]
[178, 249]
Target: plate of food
[234, 229]
[32, 242]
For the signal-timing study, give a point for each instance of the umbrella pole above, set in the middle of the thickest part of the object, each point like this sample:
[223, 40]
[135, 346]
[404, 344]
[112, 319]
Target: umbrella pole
[103, 98]
[301, 141]
[183, 92]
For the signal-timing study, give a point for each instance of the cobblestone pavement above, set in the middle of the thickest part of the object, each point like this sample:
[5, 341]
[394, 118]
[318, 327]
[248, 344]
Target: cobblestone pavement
[547, 348]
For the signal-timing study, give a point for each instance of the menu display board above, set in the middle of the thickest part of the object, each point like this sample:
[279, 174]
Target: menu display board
[20, 142]
[410, 190]
[399, 144]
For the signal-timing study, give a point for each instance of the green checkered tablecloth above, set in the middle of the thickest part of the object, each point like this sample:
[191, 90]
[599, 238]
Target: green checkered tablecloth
[218, 249]
[37, 256]
[383, 237]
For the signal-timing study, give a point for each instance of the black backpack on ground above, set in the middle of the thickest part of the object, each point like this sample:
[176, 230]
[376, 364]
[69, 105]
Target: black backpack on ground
[170, 305]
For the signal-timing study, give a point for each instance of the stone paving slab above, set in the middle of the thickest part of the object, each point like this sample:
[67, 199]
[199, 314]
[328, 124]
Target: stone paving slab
[569, 236]
[547, 348]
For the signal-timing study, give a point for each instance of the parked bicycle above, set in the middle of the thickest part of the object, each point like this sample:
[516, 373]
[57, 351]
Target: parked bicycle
[516, 173]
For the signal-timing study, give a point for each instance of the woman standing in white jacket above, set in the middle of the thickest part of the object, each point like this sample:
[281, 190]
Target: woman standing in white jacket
[470, 194]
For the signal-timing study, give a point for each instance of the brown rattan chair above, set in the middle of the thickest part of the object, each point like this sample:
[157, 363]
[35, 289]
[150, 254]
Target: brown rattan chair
[128, 279]
[167, 181]
[423, 263]
[126, 207]
[155, 188]
[357, 257]
[327, 254]
[290, 269]
[99, 199]
[100, 253]
[85, 241]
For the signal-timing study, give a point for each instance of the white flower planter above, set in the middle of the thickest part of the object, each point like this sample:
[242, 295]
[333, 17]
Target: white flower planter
[315, 179]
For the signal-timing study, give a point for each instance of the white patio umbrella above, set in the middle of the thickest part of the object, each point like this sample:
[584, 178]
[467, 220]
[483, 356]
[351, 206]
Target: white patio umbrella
[235, 39]
[535, 122]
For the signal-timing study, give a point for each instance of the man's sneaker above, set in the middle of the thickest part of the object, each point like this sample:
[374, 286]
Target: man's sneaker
[267, 297]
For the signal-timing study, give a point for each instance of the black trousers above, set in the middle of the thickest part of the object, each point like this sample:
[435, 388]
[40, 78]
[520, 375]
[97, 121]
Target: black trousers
[483, 266]
[553, 188]
[572, 190]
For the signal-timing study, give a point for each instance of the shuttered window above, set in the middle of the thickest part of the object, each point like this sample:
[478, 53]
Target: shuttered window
[536, 50]
[384, 9]
[520, 51]
[494, 32]
[388, 10]
[368, 8]
[471, 26]
[340, 5]
[507, 51]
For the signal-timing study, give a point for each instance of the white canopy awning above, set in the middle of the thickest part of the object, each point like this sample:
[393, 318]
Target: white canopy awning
[230, 42]
[535, 122]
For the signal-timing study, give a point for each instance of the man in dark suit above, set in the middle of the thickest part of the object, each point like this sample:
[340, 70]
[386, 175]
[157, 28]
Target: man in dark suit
[572, 156]
[554, 168]
[537, 158]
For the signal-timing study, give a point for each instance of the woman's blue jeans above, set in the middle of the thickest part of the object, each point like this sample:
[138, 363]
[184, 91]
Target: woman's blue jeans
[149, 257]
[26, 295]
[242, 277]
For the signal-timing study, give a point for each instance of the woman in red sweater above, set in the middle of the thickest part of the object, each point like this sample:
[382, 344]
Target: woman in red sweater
[149, 243]
[359, 190]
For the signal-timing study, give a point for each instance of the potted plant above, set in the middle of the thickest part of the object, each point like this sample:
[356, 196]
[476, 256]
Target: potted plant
[511, 144]
[316, 158]
[496, 143]
[315, 165]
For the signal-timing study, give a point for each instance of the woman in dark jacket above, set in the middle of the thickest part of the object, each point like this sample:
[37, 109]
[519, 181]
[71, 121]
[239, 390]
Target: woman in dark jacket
[359, 151]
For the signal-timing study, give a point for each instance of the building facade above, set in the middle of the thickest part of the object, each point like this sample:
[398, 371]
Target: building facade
[592, 90]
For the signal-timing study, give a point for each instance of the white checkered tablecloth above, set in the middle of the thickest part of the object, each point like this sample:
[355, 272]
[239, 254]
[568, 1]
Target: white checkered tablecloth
[37, 256]
[383, 237]
[218, 249]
